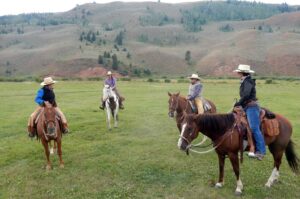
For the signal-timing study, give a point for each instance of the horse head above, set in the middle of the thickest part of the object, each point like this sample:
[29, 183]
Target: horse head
[189, 131]
[50, 125]
[173, 103]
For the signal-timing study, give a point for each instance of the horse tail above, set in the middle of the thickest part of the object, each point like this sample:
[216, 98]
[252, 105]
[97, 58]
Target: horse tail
[292, 158]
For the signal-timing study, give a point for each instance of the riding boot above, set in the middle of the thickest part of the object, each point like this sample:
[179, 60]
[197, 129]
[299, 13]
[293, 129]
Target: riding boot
[31, 131]
[121, 104]
[102, 105]
[65, 128]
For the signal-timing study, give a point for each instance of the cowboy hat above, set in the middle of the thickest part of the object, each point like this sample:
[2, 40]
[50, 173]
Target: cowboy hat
[242, 68]
[194, 76]
[48, 81]
[109, 73]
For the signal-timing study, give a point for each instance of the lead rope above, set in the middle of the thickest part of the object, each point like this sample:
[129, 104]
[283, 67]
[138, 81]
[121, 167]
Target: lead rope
[212, 149]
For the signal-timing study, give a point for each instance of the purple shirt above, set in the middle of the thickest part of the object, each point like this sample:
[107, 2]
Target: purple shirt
[111, 82]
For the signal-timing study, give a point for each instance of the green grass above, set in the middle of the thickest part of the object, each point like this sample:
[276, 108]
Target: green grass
[140, 159]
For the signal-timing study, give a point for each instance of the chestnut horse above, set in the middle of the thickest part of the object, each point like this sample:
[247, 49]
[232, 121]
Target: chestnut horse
[179, 104]
[224, 132]
[48, 128]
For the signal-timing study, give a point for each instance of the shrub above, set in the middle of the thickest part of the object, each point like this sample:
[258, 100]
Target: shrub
[167, 81]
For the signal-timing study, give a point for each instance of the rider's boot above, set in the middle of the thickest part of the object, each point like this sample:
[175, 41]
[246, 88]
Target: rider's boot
[102, 105]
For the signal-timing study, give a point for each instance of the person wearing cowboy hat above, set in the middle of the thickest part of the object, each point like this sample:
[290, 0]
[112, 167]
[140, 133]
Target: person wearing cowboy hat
[45, 97]
[195, 92]
[248, 102]
[112, 83]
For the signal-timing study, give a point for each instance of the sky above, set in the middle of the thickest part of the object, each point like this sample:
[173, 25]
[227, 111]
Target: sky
[9, 7]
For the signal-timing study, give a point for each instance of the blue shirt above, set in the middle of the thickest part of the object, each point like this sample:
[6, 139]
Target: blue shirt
[111, 82]
[39, 97]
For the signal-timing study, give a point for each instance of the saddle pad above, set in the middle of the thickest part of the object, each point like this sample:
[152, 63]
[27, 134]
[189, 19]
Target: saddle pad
[270, 127]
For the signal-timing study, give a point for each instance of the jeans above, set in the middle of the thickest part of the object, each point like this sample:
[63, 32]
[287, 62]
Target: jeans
[254, 122]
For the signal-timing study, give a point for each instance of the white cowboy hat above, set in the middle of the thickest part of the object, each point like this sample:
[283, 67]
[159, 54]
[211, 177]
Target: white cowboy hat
[48, 81]
[109, 73]
[194, 76]
[242, 68]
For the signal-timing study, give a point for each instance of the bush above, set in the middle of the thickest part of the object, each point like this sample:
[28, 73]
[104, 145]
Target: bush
[125, 79]
[167, 81]
[183, 81]
[269, 81]
[150, 80]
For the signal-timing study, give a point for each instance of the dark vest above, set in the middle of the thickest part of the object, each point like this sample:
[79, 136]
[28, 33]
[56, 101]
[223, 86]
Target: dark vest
[247, 92]
[49, 96]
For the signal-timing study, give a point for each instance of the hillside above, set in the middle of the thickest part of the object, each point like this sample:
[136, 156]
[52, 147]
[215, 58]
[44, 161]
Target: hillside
[153, 38]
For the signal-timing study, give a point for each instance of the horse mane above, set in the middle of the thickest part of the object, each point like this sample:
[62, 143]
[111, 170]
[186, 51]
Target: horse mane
[215, 123]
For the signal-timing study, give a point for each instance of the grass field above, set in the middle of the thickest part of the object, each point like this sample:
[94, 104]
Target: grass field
[140, 159]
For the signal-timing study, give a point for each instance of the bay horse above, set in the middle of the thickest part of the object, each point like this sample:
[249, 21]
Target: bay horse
[48, 129]
[178, 105]
[111, 105]
[224, 132]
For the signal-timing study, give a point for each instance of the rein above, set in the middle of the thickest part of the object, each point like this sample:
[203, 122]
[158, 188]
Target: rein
[226, 135]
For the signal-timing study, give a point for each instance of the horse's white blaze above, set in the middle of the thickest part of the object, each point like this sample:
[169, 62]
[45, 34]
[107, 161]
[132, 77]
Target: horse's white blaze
[274, 176]
[51, 151]
[181, 134]
[239, 186]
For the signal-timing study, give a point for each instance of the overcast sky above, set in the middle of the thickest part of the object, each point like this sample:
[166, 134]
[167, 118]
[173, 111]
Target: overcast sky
[28, 6]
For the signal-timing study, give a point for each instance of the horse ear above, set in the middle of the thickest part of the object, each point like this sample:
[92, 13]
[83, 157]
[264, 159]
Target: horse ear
[169, 94]
[177, 94]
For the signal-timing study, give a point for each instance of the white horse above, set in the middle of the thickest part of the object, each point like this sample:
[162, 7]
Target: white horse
[111, 105]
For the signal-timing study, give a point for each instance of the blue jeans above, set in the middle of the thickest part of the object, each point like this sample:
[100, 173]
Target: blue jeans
[254, 122]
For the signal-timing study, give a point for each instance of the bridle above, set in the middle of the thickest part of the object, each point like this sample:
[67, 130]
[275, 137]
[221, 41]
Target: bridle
[45, 127]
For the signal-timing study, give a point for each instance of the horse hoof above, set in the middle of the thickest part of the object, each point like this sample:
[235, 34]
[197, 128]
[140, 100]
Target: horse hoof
[61, 166]
[268, 185]
[48, 168]
[218, 185]
[238, 193]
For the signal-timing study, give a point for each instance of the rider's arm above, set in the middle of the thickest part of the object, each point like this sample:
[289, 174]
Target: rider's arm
[245, 93]
[114, 83]
[39, 97]
[197, 91]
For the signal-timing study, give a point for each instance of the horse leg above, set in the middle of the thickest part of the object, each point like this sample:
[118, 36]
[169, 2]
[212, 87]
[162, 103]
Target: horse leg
[220, 183]
[236, 168]
[277, 156]
[59, 152]
[116, 117]
[47, 153]
[108, 117]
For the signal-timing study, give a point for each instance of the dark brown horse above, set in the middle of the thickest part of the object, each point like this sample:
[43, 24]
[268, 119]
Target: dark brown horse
[49, 128]
[179, 104]
[225, 133]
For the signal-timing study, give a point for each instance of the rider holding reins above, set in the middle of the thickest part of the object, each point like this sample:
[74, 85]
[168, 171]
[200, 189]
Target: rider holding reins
[112, 83]
[195, 93]
[249, 103]
[46, 97]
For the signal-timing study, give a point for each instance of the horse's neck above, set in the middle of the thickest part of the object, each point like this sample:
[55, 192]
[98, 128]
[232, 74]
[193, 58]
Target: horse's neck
[215, 126]
[183, 106]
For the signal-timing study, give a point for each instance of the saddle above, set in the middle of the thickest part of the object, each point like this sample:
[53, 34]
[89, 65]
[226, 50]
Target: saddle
[206, 106]
[36, 119]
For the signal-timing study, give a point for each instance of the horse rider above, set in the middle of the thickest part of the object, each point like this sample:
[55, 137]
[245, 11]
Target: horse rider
[195, 93]
[249, 103]
[46, 97]
[111, 81]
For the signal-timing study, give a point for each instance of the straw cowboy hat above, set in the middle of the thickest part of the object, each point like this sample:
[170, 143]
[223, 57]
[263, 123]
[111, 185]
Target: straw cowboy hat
[242, 68]
[194, 76]
[109, 73]
[48, 81]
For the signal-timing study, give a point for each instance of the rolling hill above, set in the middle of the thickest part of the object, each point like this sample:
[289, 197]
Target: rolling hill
[155, 37]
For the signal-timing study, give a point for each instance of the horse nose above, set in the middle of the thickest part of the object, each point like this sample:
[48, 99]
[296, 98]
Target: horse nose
[171, 114]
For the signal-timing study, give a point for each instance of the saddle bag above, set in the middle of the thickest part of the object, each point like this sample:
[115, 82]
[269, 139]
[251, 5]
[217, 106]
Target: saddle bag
[270, 127]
